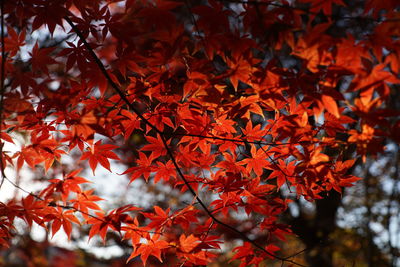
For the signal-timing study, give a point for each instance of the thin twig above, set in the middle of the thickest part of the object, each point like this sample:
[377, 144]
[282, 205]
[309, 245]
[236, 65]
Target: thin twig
[297, 253]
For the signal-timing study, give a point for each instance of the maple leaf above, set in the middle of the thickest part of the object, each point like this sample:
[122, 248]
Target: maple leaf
[28, 155]
[344, 57]
[187, 244]
[34, 210]
[132, 123]
[164, 171]
[100, 153]
[376, 79]
[76, 54]
[365, 140]
[101, 222]
[86, 200]
[14, 41]
[315, 53]
[196, 82]
[159, 218]
[282, 172]
[253, 133]
[156, 146]
[250, 104]
[62, 218]
[257, 162]
[153, 247]
[70, 183]
[144, 168]
[40, 58]
[224, 125]
[240, 70]
[231, 164]
[50, 13]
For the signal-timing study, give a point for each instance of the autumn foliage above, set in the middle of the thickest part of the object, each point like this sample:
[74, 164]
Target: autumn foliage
[241, 105]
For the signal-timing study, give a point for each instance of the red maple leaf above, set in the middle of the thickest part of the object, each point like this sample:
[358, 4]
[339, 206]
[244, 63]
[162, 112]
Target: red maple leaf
[100, 153]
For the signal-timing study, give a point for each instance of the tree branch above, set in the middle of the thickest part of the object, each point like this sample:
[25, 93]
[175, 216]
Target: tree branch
[169, 151]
